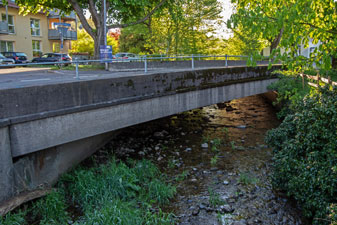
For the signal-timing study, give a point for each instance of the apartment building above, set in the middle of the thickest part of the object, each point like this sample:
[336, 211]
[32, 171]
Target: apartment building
[35, 34]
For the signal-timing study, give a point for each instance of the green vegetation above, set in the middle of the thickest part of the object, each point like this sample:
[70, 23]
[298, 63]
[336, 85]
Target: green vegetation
[51, 209]
[13, 218]
[119, 13]
[115, 193]
[214, 198]
[247, 179]
[286, 25]
[182, 27]
[214, 159]
[182, 176]
[232, 144]
[305, 154]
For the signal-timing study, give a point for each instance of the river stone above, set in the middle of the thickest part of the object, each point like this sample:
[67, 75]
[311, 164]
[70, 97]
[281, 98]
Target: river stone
[240, 222]
[202, 206]
[195, 212]
[204, 145]
[226, 209]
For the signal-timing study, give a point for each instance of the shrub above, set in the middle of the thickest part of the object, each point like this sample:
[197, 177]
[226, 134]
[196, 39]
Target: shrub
[305, 154]
[289, 91]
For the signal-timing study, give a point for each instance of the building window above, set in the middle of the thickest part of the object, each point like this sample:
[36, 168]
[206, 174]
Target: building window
[56, 47]
[7, 46]
[35, 27]
[10, 23]
[36, 48]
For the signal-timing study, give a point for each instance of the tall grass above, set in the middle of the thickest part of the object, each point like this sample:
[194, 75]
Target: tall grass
[114, 193]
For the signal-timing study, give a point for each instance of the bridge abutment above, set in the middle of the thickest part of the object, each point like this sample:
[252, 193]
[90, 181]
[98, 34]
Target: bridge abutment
[6, 166]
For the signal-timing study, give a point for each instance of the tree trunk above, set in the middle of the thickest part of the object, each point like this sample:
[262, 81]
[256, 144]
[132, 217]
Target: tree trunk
[276, 41]
[98, 40]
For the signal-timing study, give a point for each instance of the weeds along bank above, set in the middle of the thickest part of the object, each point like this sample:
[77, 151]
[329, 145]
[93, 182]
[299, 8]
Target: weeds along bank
[305, 147]
[113, 193]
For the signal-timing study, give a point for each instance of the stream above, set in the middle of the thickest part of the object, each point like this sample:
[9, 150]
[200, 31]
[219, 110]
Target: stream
[217, 159]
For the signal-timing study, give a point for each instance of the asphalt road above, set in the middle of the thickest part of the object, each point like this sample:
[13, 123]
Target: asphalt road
[25, 77]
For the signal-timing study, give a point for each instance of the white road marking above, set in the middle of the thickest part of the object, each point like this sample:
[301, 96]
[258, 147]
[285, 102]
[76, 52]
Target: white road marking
[87, 76]
[43, 79]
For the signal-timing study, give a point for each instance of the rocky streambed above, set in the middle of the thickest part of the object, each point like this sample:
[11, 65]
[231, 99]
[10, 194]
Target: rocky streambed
[217, 158]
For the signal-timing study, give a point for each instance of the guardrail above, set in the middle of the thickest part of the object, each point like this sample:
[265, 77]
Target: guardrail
[145, 59]
[317, 78]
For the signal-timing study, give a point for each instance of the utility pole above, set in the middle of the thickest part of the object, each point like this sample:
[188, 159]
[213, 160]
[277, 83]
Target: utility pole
[104, 25]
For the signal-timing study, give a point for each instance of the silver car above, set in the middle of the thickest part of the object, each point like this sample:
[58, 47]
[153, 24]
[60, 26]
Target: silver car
[126, 57]
[4, 62]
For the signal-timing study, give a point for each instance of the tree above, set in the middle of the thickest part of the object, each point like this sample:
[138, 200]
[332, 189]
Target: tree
[85, 43]
[120, 13]
[287, 24]
[182, 27]
[244, 42]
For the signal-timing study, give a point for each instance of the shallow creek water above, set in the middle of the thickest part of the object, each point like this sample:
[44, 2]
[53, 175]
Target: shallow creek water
[217, 158]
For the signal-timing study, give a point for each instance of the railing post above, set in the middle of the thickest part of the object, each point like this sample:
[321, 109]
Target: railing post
[76, 63]
[145, 65]
[226, 62]
[192, 62]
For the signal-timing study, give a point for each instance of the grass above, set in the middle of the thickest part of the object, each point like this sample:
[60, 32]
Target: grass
[232, 144]
[247, 179]
[115, 193]
[13, 218]
[214, 198]
[51, 209]
[214, 160]
[182, 176]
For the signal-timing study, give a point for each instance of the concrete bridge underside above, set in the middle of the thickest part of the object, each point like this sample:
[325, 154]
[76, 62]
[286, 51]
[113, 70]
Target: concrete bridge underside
[45, 130]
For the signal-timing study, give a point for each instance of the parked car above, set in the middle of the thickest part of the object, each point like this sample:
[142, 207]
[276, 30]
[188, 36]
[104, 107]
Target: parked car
[126, 57]
[18, 57]
[53, 57]
[5, 61]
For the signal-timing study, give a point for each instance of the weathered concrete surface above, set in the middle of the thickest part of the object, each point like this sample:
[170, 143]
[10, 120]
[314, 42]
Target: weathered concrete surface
[43, 168]
[44, 133]
[6, 166]
[178, 64]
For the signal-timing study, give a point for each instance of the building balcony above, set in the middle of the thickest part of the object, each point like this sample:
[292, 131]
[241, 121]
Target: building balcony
[54, 34]
[4, 27]
[56, 14]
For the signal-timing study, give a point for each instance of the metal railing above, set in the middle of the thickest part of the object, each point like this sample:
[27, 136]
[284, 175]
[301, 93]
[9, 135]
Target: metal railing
[144, 59]
[54, 34]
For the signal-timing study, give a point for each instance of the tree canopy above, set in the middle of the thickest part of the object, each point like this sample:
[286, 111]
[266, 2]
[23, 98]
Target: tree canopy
[120, 13]
[182, 27]
[287, 24]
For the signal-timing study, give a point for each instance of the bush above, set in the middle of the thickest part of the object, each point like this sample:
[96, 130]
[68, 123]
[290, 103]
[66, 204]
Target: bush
[289, 91]
[305, 155]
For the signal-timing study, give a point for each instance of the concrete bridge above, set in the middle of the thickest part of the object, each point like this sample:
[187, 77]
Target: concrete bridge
[46, 129]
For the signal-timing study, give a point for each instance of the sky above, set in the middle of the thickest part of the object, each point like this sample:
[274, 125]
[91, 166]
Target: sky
[226, 13]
